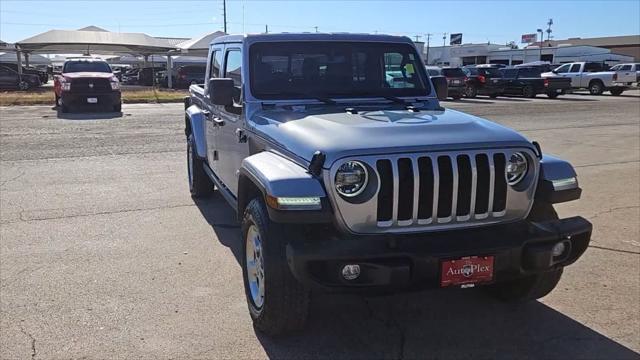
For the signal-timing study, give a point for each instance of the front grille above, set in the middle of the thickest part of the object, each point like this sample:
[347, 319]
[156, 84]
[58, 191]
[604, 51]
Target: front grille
[441, 189]
[88, 86]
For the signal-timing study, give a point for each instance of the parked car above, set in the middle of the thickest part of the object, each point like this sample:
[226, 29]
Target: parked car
[456, 81]
[592, 76]
[130, 76]
[146, 75]
[42, 75]
[86, 81]
[184, 76]
[347, 179]
[433, 70]
[483, 80]
[10, 79]
[526, 81]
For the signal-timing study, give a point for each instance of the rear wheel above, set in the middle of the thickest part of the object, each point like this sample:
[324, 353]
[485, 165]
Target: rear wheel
[528, 92]
[200, 184]
[23, 85]
[552, 95]
[596, 87]
[616, 91]
[277, 302]
[471, 91]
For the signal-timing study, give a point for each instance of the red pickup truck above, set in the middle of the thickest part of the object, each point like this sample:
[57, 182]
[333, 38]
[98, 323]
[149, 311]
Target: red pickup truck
[88, 82]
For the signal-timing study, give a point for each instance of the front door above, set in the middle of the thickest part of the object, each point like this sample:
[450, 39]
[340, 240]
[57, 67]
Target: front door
[232, 137]
[575, 75]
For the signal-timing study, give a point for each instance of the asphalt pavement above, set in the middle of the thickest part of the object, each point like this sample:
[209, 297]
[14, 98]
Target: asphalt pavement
[103, 253]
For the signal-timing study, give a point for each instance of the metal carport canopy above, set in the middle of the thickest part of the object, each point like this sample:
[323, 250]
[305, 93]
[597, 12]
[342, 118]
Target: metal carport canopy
[70, 41]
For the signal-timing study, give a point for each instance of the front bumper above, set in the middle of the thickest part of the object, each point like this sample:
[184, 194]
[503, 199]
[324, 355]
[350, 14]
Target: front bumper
[413, 261]
[104, 99]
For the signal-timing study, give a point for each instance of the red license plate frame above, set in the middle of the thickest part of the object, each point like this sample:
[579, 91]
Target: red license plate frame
[466, 270]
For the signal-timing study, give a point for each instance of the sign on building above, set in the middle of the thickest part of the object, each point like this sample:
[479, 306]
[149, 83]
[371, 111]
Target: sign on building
[456, 39]
[529, 38]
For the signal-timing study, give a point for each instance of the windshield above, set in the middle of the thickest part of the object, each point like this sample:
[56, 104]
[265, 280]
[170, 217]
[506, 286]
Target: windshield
[491, 72]
[86, 66]
[335, 69]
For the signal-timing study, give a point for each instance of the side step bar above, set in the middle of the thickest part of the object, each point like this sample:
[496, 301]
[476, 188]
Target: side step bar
[231, 199]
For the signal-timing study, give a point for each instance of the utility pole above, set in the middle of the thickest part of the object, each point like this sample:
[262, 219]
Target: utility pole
[444, 40]
[224, 14]
[266, 29]
[315, 27]
[418, 38]
[428, 38]
[549, 31]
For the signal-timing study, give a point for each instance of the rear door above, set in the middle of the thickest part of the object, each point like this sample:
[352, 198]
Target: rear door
[232, 136]
[510, 79]
[212, 112]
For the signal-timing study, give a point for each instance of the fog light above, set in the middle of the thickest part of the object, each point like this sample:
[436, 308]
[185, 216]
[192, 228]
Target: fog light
[351, 272]
[558, 249]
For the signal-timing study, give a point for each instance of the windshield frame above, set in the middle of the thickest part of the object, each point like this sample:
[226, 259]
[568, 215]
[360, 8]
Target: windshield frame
[420, 92]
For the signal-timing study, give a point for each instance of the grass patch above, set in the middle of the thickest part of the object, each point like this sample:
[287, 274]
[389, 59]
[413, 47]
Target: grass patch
[46, 97]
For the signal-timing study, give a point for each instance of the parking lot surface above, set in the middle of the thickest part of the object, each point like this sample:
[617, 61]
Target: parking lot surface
[104, 254]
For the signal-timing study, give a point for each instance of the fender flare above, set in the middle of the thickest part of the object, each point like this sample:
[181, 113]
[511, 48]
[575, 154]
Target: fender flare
[553, 168]
[196, 121]
[274, 175]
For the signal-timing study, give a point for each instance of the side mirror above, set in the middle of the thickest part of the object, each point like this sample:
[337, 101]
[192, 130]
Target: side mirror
[221, 91]
[441, 86]
[554, 71]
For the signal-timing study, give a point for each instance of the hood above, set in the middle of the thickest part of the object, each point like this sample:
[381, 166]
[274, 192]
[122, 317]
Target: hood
[94, 75]
[339, 134]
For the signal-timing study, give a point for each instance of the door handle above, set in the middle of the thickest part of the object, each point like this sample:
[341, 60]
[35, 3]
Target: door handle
[206, 114]
[218, 121]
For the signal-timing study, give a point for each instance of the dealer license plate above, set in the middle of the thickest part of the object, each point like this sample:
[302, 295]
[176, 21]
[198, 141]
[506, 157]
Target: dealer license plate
[466, 271]
[558, 90]
[92, 100]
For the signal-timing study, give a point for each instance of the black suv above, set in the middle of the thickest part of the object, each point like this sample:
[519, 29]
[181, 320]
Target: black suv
[10, 79]
[456, 82]
[483, 80]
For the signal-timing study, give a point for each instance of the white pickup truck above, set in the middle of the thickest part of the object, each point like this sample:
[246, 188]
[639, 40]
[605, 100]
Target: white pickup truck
[628, 75]
[589, 75]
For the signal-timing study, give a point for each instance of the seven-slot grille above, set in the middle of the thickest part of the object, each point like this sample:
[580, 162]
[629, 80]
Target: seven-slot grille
[439, 188]
[90, 85]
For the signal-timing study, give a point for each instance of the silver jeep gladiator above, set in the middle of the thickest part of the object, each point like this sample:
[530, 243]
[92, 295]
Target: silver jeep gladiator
[348, 175]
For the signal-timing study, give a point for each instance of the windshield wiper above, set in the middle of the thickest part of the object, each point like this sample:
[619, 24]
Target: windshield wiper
[318, 97]
[393, 99]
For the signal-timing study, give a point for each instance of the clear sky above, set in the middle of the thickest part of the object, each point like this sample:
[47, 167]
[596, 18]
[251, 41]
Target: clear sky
[479, 21]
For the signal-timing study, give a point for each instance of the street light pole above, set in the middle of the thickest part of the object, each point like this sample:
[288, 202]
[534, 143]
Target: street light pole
[541, 39]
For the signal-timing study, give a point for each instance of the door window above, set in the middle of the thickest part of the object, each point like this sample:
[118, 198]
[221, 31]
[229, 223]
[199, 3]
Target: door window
[563, 69]
[575, 68]
[510, 73]
[216, 60]
[233, 70]
[625, 68]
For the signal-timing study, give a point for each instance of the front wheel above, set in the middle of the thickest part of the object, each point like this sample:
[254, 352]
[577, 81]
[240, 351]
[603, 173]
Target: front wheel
[616, 91]
[529, 92]
[23, 85]
[277, 302]
[526, 289]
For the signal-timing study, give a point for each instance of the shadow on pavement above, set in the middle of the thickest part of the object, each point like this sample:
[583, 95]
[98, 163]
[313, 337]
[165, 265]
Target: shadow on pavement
[429, 324]
[89, 115]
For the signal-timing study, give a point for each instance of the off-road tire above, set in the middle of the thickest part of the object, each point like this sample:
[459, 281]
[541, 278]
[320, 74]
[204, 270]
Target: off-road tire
[471, 91]
[616, 91]
[456, 97]
[286, 301]
[526, 289]
[530, 287]
[529, 92]
[553, 95]
[596, 87]
[200, 185]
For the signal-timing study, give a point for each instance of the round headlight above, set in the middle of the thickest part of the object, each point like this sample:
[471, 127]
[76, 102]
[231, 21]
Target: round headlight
[516, 169]
[351, 178]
